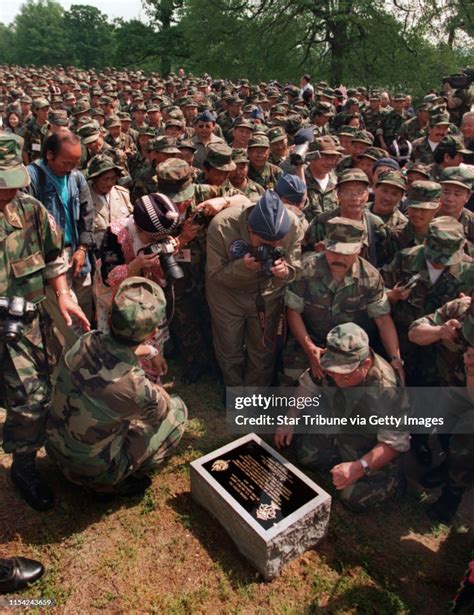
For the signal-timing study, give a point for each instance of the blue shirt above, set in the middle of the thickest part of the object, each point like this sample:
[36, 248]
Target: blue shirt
[61, 185]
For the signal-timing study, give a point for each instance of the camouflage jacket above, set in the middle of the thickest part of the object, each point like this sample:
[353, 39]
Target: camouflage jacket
[393, 221]
[34, 136]
[449, 355]
[145, 181]
[373, 119]
[422, 151]
[201, 149]
[136, 162]
[267, 177]
[100, 389]
[30, 249]
[252, 190]
[323, 303]
[391, 126]
[412, 130]
[424, 296]
[319, 201]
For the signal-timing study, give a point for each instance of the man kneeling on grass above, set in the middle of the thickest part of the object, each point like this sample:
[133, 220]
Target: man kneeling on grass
[108, 421]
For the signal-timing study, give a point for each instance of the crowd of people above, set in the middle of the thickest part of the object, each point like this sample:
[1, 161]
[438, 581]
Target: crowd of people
[266, 234]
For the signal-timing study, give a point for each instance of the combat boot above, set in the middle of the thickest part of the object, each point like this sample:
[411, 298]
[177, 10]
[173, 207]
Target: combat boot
[29, 482]
[444, 509]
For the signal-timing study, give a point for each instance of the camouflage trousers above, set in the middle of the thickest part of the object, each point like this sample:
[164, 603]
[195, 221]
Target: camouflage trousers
[24, 392]
[322, 452]
[144, 446]
[191, 322]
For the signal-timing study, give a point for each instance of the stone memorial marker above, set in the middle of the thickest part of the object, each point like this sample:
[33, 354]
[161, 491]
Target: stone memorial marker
[271, 510]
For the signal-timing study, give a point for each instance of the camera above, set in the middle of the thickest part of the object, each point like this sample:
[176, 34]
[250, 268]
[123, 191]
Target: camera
[298, 155]
[15, 313]
[266, 256]
[460, 81]
[165, 250]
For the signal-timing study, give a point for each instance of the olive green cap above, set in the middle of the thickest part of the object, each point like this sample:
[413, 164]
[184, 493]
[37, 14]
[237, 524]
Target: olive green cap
[347, 346]
[343, 235]
[392, 177]
[137, 309]
[445, 241]
[219, 156]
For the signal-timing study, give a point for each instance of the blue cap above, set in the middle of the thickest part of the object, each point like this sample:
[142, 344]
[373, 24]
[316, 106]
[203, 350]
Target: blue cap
[291, 187]
[206, 116]
[257, 114]
[304, 135]
[387, 162]
[269, 219]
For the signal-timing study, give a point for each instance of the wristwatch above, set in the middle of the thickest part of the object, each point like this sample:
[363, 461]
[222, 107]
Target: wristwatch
[396, 362]
[365, 466]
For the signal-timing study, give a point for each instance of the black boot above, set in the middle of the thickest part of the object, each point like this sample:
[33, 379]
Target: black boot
[28, 481]
[131, 487]
[435, 477]
[17, 573]
[444, 509]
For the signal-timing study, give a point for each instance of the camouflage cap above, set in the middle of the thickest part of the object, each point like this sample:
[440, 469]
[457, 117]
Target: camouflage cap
[343, 235]
[139, 306]
[239, 155]
[242, 122]
[440, 118]
[417, 167]
[399, 96]
[352, 175]
[275, 134]
[82, 106]
[186, 144]
[113, 121]
[172, 121]
[392, 177]
[40, 103]
[364, 136]
[58, 117]
[374, 153]
[444, 241]
[322, 146]
[89, 132]
[453, 142]
[278, 109]
[97, 111]
[147, 130]
[463, 176]
[174, 179]
[164, 144]
[375, 96]
[124, 116]
[348, 131]
[347, 346]
[219, 156]
[323, 108]
[424, 195]
[13, 173]
[100, 164]
[259, 141]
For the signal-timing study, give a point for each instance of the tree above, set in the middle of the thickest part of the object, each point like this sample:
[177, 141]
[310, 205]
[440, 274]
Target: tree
[7, 42]
[39, 33]
[165, 15]
[135, 45]
[90, 36]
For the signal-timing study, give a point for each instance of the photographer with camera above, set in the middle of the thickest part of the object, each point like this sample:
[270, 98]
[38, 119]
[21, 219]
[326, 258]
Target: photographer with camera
[459, 98]
[253, 253]
[140, 245]
[31, 252]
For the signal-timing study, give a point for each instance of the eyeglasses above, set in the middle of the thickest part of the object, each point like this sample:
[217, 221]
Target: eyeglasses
[355, 194]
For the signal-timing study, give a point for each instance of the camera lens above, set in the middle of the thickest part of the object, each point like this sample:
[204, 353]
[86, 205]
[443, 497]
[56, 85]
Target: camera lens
[171, 267]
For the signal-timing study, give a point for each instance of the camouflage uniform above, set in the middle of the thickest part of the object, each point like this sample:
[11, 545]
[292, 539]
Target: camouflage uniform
[391, 125]
[30, 252]
[449, 355]
[444, 245]
[319, 201]
[267, 177]
[107, 419]
[323, 303]
[347, 344]
[422, 151]
[252, 190]
[373, 120]
[412, 130]
[34, 136]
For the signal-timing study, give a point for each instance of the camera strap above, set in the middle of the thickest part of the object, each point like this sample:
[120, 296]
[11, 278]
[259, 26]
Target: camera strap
[274, 339]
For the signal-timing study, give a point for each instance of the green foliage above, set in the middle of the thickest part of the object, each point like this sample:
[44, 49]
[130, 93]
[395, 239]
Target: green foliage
[90, 36]
[342, 41]
[39, 35]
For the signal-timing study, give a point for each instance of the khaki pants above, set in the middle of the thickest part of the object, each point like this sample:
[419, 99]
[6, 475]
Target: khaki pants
[81, 288]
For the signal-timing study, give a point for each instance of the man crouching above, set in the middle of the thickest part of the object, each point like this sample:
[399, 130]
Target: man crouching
[108, 422]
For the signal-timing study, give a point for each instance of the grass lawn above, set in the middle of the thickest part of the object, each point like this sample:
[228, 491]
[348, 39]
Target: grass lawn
[164, 554]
